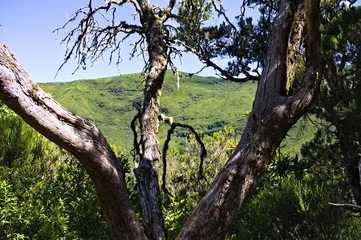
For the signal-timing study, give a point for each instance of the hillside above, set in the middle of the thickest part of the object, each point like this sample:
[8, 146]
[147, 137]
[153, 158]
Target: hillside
[206, 103]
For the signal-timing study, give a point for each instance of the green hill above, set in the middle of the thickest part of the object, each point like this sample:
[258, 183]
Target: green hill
[206, 103]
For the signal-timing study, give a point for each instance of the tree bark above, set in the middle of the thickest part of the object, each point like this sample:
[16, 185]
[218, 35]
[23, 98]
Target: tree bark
[76, 135]
[147, 171]
[272, 116]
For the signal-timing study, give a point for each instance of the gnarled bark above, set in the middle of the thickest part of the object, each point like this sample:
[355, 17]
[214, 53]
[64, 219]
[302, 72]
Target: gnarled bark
[152, 20]
[76, 135]
[272, 116]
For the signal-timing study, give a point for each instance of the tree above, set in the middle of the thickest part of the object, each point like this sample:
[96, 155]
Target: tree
[339, 102]
[295, 29]
[244, 42]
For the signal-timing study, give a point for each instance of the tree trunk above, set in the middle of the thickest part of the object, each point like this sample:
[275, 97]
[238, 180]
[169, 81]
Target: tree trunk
[76, 135]
[147, 171]
[272, 116]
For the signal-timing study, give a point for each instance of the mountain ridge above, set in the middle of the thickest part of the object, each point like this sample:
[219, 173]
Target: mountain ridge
[206, 103]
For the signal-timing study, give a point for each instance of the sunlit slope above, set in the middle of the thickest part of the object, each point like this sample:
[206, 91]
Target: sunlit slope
[206, 103]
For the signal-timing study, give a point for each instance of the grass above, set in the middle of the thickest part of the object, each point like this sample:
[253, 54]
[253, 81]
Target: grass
[206, 103]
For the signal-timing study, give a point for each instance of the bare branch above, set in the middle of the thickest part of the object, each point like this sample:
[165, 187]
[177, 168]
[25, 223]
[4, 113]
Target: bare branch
[89, 39]
[136, 144]
[220, 10]
[137, 7]
[171, 5]
[225, 75]
[138, 44]
[351, 207]
[209, 63]
[143, 7]
[166, 146]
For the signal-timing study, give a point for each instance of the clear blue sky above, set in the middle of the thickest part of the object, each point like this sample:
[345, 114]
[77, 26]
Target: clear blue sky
[26, 28]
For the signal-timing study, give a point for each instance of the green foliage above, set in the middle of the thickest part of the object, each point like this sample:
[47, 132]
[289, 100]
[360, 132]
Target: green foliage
[295, 209]
[199, 102]
[44, 192]
[244, 41]
[339, 98]
[291, 201]
[192, 15]
[339, 103]
[183, 180]
[10, 213]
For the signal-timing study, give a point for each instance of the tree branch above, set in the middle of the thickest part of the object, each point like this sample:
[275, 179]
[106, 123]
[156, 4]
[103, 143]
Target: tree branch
[351, 207]
[220, 11]
[272, 116]
[89, 40]
[76, 135]
[166, 146]
[293, 49]
[136, 143]
[209, 63]
[226, 76]
[312, 77]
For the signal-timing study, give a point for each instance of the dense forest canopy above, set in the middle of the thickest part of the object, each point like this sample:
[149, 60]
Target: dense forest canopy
[295, 50]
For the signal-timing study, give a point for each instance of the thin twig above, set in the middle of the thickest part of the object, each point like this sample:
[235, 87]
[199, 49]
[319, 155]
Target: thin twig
[220, 11]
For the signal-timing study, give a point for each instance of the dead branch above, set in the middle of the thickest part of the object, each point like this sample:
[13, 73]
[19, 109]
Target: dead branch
[174, 125]
[221, 11]
[136, 143]
[89, 40]
[351, 207]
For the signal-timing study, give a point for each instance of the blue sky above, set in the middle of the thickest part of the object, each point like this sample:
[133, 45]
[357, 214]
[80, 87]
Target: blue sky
[26, 28]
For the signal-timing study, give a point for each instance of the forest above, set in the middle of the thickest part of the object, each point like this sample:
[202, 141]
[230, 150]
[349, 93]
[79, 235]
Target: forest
[269, 149]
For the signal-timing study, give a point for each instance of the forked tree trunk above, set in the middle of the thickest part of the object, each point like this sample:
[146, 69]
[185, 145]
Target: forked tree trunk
[272, 116]
[76, 135]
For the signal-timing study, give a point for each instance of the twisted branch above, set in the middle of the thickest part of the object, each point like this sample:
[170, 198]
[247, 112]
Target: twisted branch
[203, 154]
[90, 40]
[136, 143]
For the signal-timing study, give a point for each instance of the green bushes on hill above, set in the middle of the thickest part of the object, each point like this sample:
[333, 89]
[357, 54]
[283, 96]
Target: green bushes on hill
[45, 193]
